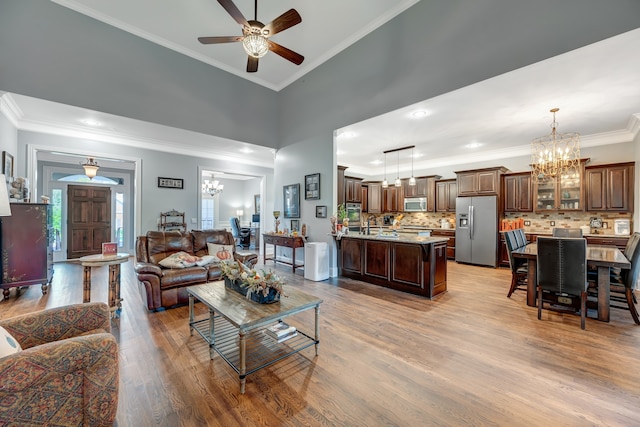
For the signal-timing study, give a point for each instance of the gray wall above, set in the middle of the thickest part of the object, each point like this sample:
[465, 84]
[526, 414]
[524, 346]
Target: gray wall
[8, 139]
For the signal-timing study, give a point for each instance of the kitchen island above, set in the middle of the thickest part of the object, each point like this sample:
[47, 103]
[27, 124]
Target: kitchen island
[409, 263]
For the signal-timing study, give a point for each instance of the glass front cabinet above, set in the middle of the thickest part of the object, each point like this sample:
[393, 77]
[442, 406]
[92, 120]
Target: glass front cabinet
[562, 193]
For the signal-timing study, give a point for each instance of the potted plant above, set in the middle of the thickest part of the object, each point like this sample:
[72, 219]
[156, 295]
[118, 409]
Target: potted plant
[264, 287]
[341, 215]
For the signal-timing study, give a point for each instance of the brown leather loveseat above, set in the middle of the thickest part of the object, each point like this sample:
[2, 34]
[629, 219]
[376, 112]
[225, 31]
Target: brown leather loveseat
[165, 287]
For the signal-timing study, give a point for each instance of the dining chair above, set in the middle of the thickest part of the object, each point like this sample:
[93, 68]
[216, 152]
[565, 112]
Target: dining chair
[562, 270]
[519, 270]
[567, 232]
[521, 237]
[624, 282]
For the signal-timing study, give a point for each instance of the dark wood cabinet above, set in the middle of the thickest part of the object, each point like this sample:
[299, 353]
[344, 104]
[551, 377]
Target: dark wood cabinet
[26, 240]
[610, 187]
[446, 193]
[390, 198]
[451, 242]
[364, 197]
[374, 197]
[563, 193]
[517, 192]
[341, 184]
[352, 189]
[480, 182]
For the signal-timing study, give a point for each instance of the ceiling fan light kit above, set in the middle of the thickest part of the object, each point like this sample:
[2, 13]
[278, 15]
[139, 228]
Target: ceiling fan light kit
[255, 35]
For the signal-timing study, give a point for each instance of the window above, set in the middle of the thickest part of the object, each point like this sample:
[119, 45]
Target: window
[207, 213]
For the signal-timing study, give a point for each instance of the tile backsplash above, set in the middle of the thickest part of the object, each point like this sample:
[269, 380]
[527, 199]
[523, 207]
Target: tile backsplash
[541, 223]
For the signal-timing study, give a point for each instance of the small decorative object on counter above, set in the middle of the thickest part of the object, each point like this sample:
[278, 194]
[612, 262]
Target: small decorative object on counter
[304, 230]
[333, 221]
[264, 287]
[276, 215]
[45, 199]
[19, 189]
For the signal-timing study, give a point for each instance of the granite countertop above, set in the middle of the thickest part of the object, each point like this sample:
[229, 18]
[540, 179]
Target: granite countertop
[400, 237]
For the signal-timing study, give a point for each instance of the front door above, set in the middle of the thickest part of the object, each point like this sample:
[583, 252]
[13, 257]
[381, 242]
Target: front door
[88, 220]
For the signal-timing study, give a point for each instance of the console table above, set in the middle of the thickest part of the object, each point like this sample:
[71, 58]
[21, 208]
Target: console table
[276, 240]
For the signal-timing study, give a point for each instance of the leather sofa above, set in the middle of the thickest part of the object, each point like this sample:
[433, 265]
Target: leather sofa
[166, 287]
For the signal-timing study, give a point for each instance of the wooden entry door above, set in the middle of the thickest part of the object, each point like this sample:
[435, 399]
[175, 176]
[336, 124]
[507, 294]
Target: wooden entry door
[88, 220]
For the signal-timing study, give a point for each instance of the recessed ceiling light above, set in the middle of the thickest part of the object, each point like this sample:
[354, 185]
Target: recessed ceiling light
[418, 114]
[246, 150]
[91, 122]
[376, 162]
[474, 145]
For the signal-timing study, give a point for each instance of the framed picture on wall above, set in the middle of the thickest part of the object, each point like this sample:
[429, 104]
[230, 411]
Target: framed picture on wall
[295, 225]
[321, 211]
[7, 165]
[291, 199]
[312, 186]
[256, 203]
[176, 183]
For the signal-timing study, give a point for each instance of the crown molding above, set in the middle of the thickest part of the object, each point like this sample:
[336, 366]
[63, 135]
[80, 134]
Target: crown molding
[10, 109]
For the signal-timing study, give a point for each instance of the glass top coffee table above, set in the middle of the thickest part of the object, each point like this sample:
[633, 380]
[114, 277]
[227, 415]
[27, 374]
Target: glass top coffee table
[235, 328]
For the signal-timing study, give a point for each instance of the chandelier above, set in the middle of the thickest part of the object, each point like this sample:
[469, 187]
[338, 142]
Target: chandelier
[212, 186]
[255, 44]
[555, 154]
[90, 167]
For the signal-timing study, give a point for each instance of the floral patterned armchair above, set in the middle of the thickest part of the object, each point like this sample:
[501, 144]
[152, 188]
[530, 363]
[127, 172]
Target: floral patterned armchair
[67, 371]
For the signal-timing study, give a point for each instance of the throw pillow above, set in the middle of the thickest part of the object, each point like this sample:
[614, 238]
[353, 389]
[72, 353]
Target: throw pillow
[222, 252]
[207, 259]
[179, 260]
[8, 344]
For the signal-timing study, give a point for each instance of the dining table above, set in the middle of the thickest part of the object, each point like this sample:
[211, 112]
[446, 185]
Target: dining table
[604, 258]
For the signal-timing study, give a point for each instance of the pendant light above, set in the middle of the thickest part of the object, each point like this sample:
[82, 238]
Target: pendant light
[398, 183]
[385, 183]
[90, 167]
[412, 180]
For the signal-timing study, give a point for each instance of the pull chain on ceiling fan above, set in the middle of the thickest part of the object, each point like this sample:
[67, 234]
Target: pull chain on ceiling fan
[255, 38]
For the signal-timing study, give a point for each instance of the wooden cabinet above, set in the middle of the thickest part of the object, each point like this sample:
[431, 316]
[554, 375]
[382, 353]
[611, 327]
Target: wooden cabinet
[564, 193]
[446, 193]
[340, 190]
[610, 187]
[352, 189]
[374, 197]
[392, 199]
[26, 240]
[451, 243]
[517, 192]
[618, 241]
[364, 197]
[172, 220]
[480, 182]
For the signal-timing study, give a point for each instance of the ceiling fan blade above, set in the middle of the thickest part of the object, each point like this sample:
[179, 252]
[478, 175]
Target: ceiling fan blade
[287, 54]
[216, 40]
[282, 22]
[252, 64]
[234, 12]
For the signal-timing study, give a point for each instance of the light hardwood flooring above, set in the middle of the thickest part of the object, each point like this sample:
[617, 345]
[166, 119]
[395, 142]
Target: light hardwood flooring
[386, 358]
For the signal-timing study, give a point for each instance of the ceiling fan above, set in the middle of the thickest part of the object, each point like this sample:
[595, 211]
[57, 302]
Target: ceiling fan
[255, 38]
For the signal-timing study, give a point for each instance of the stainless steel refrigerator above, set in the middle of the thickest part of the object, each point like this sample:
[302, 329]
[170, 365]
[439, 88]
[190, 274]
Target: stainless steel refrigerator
[477, 230]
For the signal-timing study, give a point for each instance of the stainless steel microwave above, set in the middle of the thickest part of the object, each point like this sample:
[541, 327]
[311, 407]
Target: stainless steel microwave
[415, 204]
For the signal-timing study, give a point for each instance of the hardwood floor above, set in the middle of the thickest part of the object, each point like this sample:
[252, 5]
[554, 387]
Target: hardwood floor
[472, 357]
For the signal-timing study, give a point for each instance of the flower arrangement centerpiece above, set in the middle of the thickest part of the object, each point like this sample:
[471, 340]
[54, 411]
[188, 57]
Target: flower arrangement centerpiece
[264, 287]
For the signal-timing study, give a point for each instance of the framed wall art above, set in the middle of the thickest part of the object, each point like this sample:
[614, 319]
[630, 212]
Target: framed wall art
[7, 165]
[321, 211]
[176, 183]
[312, 186]
[291, 199]
[295, 225]
[256, 203]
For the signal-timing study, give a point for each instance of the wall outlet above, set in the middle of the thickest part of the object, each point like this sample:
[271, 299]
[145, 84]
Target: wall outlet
[605, 225]
[552, 223]
[527, 223]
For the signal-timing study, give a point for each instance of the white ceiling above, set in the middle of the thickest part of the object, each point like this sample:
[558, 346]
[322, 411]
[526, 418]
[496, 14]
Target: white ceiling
[597, 89]
[327, 27]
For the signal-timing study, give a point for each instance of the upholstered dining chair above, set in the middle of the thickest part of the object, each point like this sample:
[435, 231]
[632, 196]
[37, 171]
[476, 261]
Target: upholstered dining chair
[519, 270]
[562, 270]
[567, 232]
[241, 235]
[63, 370]
[625, 281]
